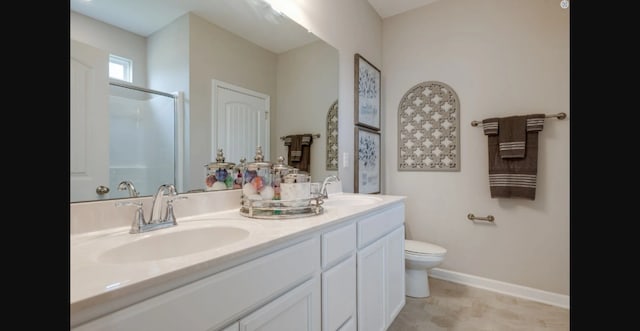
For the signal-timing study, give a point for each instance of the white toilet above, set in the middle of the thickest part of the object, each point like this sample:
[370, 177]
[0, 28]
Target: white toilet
[419, 258]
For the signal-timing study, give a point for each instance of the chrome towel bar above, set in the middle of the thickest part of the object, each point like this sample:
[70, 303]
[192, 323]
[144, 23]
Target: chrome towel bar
[315, 135]
[489, 218]
[560, 116]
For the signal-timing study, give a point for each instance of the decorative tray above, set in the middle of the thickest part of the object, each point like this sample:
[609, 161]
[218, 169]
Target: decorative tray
[278, 209]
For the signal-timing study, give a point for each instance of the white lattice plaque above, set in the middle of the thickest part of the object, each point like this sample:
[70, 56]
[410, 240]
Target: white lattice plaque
[332, 137]
[428, 128]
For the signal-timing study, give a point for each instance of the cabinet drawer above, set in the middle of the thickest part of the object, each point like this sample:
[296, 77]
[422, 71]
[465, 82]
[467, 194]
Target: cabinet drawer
[376, 225]
[218, 300]
[338, 244]
[296, 310]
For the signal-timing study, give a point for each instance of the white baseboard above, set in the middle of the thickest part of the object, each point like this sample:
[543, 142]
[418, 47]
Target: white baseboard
[555, 299]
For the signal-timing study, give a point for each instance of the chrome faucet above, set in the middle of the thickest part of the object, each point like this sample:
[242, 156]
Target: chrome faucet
[323, 188]
[156, 205]
[155, 220]
[128, 185]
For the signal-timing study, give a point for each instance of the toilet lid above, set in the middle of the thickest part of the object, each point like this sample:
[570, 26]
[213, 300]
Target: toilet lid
[423, 248]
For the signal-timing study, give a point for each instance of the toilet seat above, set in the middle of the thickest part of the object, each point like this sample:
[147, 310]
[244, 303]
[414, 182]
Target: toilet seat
[421, 248]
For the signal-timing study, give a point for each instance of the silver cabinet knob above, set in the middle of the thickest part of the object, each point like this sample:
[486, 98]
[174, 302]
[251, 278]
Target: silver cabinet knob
[102, 190]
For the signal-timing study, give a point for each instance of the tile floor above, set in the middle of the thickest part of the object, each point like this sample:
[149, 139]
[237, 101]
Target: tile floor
[454, 307]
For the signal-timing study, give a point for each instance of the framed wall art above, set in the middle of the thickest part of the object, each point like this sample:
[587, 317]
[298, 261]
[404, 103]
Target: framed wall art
[367, 170]
[366, 94]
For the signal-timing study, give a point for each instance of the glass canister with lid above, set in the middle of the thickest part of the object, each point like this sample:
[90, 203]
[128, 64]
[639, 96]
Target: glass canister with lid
[219, 174]
[279, 170]
[296, 188]
[257, 179]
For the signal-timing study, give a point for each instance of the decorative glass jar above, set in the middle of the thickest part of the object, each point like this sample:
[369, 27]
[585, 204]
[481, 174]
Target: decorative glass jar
[296, 189]
[219, 174]
[265, 187]
[257, 179]
[279, 171]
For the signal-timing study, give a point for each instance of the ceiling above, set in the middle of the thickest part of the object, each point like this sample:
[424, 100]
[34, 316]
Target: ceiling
[253, 20]
[386, 8]
[275, 32]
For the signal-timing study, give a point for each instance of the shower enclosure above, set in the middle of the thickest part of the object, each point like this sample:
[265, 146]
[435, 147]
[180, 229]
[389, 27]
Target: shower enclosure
[142, 139]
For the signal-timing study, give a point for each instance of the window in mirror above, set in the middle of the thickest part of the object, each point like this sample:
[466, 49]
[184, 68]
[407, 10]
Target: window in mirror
[120, 68]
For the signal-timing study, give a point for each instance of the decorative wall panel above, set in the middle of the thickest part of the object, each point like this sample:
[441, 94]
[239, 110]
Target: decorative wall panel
[332, 137]
[428, 128]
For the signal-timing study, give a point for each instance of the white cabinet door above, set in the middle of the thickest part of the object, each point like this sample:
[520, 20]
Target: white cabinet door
[371, 287]
[380, 273]
[339, 295]
[296, 310]
[395, 273]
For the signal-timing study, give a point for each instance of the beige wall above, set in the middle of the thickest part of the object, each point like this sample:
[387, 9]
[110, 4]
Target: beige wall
[352, 27]
[114, 40]
[502, 57]
[218, 54]
[307, 87]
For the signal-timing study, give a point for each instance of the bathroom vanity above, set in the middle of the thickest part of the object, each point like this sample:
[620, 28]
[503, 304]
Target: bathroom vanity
[341, 270]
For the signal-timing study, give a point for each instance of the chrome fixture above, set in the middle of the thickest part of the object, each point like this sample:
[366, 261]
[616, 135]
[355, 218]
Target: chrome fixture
[489, 218]
[156, 205]
[140, 224]
[323, 188]
[128, 185]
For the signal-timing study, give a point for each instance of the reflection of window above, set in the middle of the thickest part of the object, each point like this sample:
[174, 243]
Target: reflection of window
[120, 68]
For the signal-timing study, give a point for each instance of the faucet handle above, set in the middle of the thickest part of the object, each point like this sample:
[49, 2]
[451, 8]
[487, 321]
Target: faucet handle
[138, 218]
[171, 217]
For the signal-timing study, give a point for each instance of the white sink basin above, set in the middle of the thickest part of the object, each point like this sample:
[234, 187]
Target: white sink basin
[344, 200]
[155, 245]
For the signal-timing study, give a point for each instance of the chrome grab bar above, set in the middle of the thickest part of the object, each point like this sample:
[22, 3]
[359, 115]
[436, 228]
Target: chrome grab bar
[489, 218]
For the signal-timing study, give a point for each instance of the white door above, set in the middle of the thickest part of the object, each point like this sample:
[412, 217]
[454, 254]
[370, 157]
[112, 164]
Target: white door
[89, 116]
[239, 122]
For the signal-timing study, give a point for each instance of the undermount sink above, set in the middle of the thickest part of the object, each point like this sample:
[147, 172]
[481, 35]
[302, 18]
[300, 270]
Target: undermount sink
[157, 245]
[350, 200]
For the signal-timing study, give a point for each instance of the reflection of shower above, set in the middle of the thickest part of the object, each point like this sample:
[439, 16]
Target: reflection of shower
[142, 137]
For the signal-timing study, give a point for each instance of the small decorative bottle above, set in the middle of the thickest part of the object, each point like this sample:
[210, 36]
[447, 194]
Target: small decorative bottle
[238, 171]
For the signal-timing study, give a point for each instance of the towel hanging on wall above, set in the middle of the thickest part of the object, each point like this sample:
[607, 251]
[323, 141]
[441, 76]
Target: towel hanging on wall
[513, 167]
[299, 154]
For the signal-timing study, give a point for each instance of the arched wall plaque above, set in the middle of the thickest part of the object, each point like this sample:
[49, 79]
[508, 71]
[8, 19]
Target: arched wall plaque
[428, 128]
[332, 137]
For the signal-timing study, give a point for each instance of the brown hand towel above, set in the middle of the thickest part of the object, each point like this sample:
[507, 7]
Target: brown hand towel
[299, 154]
[512, 136]
[514, 177]
[295, 147]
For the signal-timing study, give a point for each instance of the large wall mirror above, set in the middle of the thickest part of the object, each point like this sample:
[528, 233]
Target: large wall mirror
[162, 127]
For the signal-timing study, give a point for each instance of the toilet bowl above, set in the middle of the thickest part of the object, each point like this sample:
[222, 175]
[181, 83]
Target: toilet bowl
[419, 257]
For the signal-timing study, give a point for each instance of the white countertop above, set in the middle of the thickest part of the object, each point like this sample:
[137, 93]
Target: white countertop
[99, 287]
